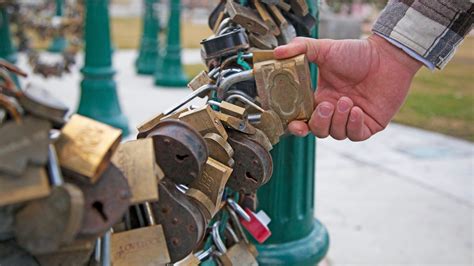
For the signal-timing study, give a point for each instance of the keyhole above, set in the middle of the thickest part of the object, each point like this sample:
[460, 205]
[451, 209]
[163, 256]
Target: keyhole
[99, 207]
[248, 175]
[181, 158]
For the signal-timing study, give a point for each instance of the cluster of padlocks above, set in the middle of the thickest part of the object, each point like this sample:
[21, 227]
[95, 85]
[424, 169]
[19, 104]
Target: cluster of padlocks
[36, 19]
[183, 192]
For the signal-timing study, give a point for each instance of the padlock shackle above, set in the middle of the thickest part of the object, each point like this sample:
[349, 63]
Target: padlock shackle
[203, 89]
[224, 24]
[235, 78]
[149, 214]
[56, 177]
[245, 100]
[204, 254]
[238, 209]
[235, 220]
[217, 238]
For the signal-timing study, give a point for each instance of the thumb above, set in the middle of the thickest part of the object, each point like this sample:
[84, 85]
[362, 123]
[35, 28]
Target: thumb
[313, 48]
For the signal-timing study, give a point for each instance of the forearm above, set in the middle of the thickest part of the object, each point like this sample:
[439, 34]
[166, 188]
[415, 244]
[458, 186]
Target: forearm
[431, 29]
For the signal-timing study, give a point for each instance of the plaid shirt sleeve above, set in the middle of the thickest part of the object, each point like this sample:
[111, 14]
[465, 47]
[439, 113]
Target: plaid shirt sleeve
[432, 29]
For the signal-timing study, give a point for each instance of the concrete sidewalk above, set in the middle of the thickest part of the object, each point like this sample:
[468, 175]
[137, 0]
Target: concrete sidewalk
[404, 197]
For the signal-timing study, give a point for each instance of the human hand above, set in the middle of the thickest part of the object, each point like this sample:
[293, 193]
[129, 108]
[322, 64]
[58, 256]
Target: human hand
[361, 85]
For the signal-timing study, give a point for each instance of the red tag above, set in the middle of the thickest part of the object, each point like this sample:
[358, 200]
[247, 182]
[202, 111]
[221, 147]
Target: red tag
[255, 227]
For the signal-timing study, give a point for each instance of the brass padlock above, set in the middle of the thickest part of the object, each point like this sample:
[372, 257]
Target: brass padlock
[175, 211]
[262, 55]
[284, 5]
[230, 109]
[266, 41]
[23, 144]
[266, 17]
[141, 246]
[219, 149]
[245, 17]
[32, 184]
[136, 160]
[284, 86]
[145, 128]
[235, 123]
[253, 164]
[262, 139]
[199, 80]
[299, 7]
[85, 147]
[209, 187]
[270, 123]
[106, 201]
[179, 150]
[288, 32]
[204, 120]
[239, 253]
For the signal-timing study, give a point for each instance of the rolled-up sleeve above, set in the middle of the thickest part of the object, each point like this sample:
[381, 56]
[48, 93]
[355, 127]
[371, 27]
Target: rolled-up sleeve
[432, 29]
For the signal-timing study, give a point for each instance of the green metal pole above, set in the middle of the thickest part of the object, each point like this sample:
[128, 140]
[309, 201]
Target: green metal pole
[99, 99]
[169, 71]
[297, 237]
[7, 51]
[59, 42]
[149, 44]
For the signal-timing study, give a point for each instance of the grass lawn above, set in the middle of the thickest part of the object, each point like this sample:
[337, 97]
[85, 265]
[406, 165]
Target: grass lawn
[126, 33]
[443, 101]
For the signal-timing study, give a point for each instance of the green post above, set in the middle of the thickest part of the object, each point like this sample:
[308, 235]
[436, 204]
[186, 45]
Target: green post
[297, 237]
[59, 42]
[149, 44]
[99, 99]
[169, 70]
[7, 51]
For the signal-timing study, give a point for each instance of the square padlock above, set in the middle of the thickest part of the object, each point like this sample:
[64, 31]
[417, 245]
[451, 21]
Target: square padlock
[284, 86]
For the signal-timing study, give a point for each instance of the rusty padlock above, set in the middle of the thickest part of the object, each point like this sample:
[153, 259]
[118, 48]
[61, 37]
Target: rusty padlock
[183, 223]
[245, 17]
[180, 151]
[253, 164]
[106, 201]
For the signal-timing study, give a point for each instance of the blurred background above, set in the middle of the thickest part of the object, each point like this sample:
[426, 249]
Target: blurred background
[405, 197]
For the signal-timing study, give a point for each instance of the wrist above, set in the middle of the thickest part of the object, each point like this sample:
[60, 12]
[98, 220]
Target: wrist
[400, 58]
